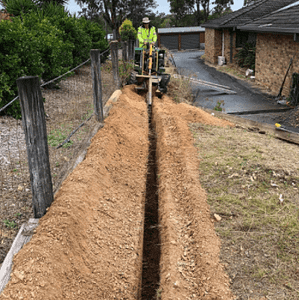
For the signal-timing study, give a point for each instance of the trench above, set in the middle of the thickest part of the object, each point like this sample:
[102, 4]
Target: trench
[151, 238]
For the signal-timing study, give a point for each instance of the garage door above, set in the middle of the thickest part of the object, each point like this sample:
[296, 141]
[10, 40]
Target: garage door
[190, 41]
[169, 41]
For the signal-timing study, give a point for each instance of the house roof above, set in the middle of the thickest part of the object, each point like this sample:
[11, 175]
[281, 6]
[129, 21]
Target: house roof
[181, 29]
[248, 13]
[282, 21]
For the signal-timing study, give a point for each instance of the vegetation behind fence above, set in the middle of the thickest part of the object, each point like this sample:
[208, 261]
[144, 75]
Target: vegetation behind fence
[68, 108]
[42, 42]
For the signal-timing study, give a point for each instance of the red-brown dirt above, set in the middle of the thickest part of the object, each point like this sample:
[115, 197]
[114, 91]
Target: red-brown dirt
[89, 244]
[190, 266]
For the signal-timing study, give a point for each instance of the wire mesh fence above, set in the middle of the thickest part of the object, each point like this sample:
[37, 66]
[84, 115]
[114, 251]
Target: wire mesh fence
[66, 109]
[15, 189]
[68, 103]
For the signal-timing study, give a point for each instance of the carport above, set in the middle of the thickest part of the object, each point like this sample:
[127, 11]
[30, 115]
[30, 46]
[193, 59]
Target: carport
[182, 38]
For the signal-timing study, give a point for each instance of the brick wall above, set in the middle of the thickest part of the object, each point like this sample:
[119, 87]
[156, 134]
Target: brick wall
[273, 54]
[212, 45]
[227, 45]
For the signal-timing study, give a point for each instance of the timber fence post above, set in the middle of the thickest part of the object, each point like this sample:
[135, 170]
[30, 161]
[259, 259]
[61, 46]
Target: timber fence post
[114, 58]
[97, 84]
[124, 51]
[131, 49]
[34, 125]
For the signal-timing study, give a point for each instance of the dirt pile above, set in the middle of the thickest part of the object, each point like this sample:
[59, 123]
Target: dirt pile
[89, 244]
[190, 266]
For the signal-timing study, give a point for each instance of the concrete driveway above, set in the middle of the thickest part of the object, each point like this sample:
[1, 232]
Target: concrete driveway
[246, 98]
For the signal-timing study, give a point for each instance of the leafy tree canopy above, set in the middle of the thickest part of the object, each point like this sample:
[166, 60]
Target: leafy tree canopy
[222, 5]
[127, 31]
[115, 12]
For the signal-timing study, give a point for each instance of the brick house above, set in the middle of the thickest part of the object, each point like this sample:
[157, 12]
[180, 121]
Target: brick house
[223, 36]
[277, 41]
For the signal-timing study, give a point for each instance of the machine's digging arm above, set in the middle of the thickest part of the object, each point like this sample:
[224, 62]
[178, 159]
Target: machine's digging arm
[150, 82]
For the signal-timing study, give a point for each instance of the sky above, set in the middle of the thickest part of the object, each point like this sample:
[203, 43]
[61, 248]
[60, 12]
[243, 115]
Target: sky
[163, 6]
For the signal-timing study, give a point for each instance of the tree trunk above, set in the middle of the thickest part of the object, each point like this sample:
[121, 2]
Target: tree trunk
[198, 11]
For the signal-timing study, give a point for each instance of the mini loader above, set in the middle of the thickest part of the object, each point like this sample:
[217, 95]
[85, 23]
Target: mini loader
[149, 68]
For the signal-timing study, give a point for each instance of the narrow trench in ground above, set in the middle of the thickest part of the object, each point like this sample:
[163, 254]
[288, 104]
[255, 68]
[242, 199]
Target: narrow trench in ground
[151, 238]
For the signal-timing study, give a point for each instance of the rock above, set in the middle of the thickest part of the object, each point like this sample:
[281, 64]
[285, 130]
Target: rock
[217, 217]
[19, 275]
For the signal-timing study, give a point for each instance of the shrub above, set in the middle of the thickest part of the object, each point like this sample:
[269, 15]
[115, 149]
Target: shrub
[95, 32]
[18, 7]
[246, 56]
[51, 46]
[18, 58]
[45, 42]
[127, 31]
[71, 29]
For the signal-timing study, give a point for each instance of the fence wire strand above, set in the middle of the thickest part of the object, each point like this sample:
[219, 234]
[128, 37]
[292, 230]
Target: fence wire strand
[70, 118]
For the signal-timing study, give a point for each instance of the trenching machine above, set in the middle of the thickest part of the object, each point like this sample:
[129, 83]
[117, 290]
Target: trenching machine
[149, 71]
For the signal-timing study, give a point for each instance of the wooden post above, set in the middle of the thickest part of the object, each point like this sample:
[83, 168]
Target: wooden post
[129, 49]
[114, 58]
[97, 84]
[132, 49]
[124, 46]
[34, 125]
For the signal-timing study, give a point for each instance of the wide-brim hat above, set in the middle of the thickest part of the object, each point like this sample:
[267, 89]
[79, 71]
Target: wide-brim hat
[145, 20]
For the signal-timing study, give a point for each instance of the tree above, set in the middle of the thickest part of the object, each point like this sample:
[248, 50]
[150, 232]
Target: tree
[206, 9]
[166, 22]
[115, 12]
[140, 9]
[197, 11]
[127, 31]
[157, 19]
[222, 5]
[18, 7]
[180, 8]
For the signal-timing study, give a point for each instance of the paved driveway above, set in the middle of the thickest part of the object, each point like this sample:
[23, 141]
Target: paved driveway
[245, 99]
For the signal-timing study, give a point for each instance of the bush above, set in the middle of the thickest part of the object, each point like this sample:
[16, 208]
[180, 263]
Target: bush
[127, 31]
[51, 46]
[71, 29]
[18, 7]
[45, 42]
[246, 56]
[18, 58]
[96, 33]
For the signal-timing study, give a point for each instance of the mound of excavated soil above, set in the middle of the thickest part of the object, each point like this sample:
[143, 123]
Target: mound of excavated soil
[89, 245]
[191, 114]
[190, 266]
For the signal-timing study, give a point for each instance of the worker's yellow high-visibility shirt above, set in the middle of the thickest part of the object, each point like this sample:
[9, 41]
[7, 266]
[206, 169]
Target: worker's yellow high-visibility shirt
[146, 35]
